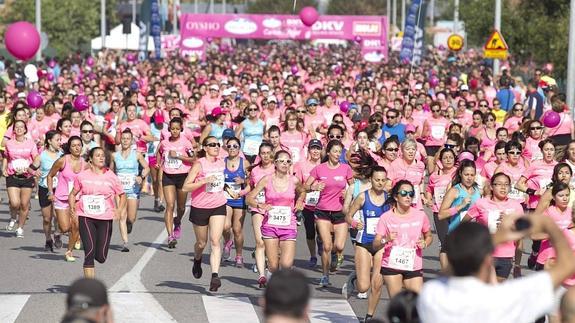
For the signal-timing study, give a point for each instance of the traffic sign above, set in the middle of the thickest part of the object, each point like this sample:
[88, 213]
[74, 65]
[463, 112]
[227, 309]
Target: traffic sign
[495, 47]
[455, 42]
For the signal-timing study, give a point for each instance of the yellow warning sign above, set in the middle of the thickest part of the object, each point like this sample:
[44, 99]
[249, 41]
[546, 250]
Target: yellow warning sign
[495, 47]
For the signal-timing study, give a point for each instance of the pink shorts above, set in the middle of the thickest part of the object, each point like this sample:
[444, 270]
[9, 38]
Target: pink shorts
[269, 232]
[61, 204]
[152, 161]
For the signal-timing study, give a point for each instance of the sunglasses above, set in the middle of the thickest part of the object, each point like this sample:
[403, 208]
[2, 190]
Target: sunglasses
[312, 105]
[518, 110]
[301, 111]
[483, 105]
[335, 136]
[496, 103]
[150, 100]
[449, 146]
[252, 109]
[536, 128]
[404, 193]
[233, 146]
[391, 117]
[515, 152]
[213, 144]
[490, 119]
[87, 131]
[435, 110]
[392, 149]
[284, 161]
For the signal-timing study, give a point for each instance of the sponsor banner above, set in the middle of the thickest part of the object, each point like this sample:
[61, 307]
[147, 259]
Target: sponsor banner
[195, 28]
[412, 43]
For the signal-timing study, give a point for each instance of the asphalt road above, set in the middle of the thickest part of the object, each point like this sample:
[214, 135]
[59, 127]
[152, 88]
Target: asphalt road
[152, 283]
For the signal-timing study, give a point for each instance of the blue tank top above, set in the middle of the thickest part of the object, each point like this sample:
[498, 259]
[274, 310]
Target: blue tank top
[127, 169]
[46, 163]
[229, 181]
[455, 220]
[252, 133]
[370, 213]
[217, 131]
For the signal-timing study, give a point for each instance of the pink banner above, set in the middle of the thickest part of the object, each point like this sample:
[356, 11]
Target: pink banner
[369, 30]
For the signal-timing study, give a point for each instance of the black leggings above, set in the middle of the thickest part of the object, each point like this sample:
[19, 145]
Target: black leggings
[95, 235]
[309, 223]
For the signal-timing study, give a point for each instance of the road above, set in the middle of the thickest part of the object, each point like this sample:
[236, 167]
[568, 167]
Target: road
[152, 283]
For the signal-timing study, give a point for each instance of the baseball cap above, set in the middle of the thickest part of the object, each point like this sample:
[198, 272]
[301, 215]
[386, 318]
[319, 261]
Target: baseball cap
[214, 87]
[233, 89]
[158, 117]
[311, 101]
[85, 293]
[409, 128]
[21, 95]
[272, 98]
[253, 87]
[228, 133]
[217, 111]
[224, 81]
[464, 87]
[315, 143]
[226, 92]
[265, 88]
[418, 86]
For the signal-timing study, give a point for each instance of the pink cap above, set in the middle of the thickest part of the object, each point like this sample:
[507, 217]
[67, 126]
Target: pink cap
[158, 117]
[409, 128]
[465, 155]
[217, 111]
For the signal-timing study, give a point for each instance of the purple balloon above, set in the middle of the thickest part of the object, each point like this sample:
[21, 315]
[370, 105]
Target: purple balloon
[50, 76]
[34, 99]
[81, 103]
[131, 57]
[551, 119]
[344, 106]
[308, 16]
[22, 40]
[357, 39]
[52, 63]
[294, 69]
[209, 40]
[434, 81]
[90, 61]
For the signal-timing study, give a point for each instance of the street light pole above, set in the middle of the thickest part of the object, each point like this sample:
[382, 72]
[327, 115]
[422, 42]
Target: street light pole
[134, 11]
[39, 26]
[403, 15]
[571, 60]
[388, 13]
[394, 14]
[103, 22]
[456, 16]
[498, 28]
[175, 17]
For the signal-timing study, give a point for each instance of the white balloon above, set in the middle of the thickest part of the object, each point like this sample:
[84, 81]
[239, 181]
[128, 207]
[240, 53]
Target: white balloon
[30, 71]
[33, 78]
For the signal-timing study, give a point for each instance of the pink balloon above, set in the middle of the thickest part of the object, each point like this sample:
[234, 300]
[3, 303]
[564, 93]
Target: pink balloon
[434, 81]
[52, 63]
[131, 57]
[209, 40]
[90, 61]
[50, 77]
[308, 16]
[344, 106]
[357, 39]
[294, 69]
[22, 40]
[34, 100]
[551, 119]
[81, 103]
[39, 73]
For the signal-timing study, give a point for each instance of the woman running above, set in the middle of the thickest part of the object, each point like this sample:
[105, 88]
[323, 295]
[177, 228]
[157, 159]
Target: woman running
[67, 167]
[251, 131]
[176, 158]
[279, 228]
[100, 200]
[330, 178]
[489, 211]
[372, 205]
[44, 162]
[235, 189]
[403, 232]
[293, 137]
[206, 182]
[17, 167]
[127, 163]
[411, 169]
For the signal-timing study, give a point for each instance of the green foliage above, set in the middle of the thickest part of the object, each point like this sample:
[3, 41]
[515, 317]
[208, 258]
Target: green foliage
[363, 7]
[278, 6]
[70, 24]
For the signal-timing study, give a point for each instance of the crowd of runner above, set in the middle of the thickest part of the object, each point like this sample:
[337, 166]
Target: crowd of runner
[349, 151]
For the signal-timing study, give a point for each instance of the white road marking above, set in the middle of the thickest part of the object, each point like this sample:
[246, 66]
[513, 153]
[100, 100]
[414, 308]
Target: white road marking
[331, 310]
[10, 307]
[222, 309]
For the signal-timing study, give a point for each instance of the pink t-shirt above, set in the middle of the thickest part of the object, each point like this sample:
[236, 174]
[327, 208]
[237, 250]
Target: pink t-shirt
[173, 165]
[96, 194]
[487, 212]
[66, 178]
[335, 179]
[437, 131]
[256, 175]
[139, 128]
[271, 118]
[437, 186]
[210, 196]
[489, 169]
[531, 150]
[550, 253]
[280, 201]
[403, 252]
[563, 221]
[515, 174]
[302, 170]
[413, 172]
[513, 124]
[564, 127]
[296, 143]
[41, 127]
[20, 155]
[208, 104]
[538, 176]
[315, 121]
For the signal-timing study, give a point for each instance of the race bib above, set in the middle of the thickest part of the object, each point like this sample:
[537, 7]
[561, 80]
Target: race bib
[437, 132]
[312, 198]
[172, 163]
[20, 165]
[371, 225]
[537, 156]
[236, 188]
[192, 126]
[261, 197]
[401, 258]
[295, 154]
[99, 120]
[493, 220]
[127, 180]
[94, 204]
[217, 185]
[279, 216]
[416, 197]
[439, 194]
[516, 194]
[251, 147]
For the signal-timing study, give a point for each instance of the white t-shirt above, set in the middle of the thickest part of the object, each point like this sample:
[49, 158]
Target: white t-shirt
[469, 300]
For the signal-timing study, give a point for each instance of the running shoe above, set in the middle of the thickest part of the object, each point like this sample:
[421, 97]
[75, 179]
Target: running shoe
[77, 245]
[19, 233]
[12, 226]
[367, 318]
[49, 245]
[362, 295]
[262, 281]
[125, 248]
[129, 226]
[57, 241]
[333, 261]
[339, 261]
[227, 249]
[312, 262]
[349, 285]
[177, 230]
[69, 257]
[197, 269]
[324, 281]
[239, 262]
[161, 207]
[215, 283]
[255, 268]
[172, 242]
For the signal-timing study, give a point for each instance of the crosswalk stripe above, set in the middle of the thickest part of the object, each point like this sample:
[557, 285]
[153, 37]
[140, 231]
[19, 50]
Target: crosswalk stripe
[10, 307]
[222, 309]
[331, 310]
[138, 307]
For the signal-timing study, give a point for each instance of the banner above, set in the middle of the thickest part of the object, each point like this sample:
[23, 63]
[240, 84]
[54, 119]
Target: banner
[143, 24]
[369, 31]
[412, 44]
[156, 28]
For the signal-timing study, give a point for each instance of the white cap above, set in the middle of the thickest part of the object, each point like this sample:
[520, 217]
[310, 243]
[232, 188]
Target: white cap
[224, 81]
[21, 95]
[253, 86]
[264, 88]
[233, 89]
[214, 87]
[234, 67]
[71, 92]
[418, 86]
[272, 98]
[464, 87]
[226, 92]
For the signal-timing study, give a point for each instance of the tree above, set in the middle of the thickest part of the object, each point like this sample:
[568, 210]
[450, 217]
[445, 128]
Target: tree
[364, 7]
[278, 7]
[70, 24]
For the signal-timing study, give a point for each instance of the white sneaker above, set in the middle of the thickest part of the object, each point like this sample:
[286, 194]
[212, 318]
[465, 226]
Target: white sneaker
[20, 233]
[12, 226]
[362, 295]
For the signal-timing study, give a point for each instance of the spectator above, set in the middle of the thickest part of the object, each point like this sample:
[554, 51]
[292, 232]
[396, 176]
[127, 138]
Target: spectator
[87, 302]
[505, 95]
[286, 298]
[534, 101]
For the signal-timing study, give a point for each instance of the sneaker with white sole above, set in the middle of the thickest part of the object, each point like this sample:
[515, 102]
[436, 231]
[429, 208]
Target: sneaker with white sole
[349, 286]
[362, 295]
[324, 281]
[12, 226]
[20, 233]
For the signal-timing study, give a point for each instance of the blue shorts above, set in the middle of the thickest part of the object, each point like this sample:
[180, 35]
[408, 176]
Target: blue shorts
[133, 193]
